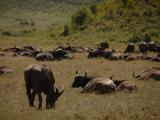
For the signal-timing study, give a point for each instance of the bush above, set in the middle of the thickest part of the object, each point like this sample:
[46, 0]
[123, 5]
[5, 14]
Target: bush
[135, 38]
[66, 30]
[125, 2]
[147, 38]
[7, 33]
[82, 17]
[93, 9]
[32, 23]
[109, 14]
[147, 13]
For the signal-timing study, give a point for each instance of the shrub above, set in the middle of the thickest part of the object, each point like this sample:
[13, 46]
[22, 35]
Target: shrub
[135, 38]
[124, 2]
[147, 38]
[147, 13]
[82, 17]
[93, 9]
[32, 23]
[66, 30]
[109, 15]
[7, 33]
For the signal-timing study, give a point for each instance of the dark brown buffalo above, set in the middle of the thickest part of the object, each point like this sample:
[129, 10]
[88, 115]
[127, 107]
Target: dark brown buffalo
[44, 56]
[153, 73]
[38, 79]
[157, 48]
[60, 54]
[96, 53]
[91, 84]
[143, 47]
[130, 48]
[151, 46]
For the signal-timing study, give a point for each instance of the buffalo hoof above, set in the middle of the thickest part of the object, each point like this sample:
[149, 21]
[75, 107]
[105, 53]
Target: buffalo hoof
[47, 107]
[39, 108]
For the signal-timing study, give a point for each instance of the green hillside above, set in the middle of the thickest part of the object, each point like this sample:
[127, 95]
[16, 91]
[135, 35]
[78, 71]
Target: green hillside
[43, 21]
[123, 20]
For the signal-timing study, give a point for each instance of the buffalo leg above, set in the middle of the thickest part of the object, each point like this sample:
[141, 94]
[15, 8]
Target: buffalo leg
[32, 98]
[40, 100]
[29, 95]
[47, 102]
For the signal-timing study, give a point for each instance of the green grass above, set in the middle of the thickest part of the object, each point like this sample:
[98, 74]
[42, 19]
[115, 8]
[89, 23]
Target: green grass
[140, 105]
[49, 18]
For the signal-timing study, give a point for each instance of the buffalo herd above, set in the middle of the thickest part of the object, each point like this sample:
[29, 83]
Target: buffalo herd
[40, 79]
[102, 50]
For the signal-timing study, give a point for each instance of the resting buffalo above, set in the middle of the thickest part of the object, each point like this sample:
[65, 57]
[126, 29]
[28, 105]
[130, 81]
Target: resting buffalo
[4, 69]
[143, 47]
[135, 57]
[151, 46]
[2, 53]
[125, 84]
[39, 78]
[90, 84]
[96, 53]
[68, 48]
[157, 48]
[156, 59]
[153, 73]
[60, 54]
[44, 56]
[130, 48]
[116, 56]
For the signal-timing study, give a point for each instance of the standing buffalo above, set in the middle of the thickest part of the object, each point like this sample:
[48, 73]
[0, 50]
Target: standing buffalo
[143, 47]
[90, 84]
[130, 48]
[153, 73]
[39, 78]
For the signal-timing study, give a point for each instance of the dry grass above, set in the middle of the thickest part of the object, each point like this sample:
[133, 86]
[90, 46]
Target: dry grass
[141, 105]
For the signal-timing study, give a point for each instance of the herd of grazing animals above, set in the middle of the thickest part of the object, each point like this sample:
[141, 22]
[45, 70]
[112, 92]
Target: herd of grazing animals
[103, 50]
[40, 79]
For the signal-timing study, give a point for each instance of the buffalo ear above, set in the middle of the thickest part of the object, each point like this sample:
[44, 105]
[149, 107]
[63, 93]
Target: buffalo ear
[111, 77]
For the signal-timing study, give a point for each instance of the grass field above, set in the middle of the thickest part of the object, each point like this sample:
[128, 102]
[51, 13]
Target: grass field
[46, 19]
[141, 105]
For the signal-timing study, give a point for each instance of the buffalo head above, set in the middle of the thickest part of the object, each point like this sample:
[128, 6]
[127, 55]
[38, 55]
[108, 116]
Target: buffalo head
[54, 96]
[79, 81]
